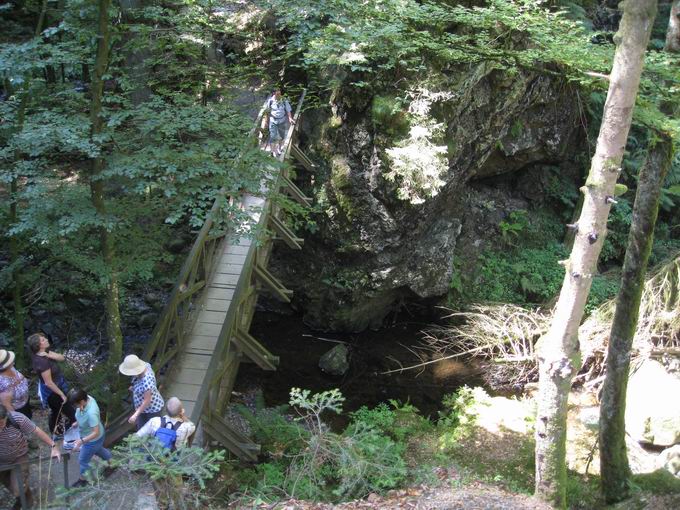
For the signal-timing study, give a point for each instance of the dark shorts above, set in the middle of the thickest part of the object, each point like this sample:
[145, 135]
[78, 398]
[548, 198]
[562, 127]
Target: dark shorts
[278, 131]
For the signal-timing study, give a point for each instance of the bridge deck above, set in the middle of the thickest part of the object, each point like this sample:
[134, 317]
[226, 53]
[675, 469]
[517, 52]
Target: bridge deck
[191, 368]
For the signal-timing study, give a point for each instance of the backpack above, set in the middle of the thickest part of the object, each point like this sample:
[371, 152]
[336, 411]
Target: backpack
[168, 436]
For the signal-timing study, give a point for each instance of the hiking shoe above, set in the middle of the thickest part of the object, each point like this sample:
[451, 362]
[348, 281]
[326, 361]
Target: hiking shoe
[79, 483]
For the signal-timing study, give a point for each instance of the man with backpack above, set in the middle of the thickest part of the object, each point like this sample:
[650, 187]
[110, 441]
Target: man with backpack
[280, 115]
[172, 430]
[15, 429]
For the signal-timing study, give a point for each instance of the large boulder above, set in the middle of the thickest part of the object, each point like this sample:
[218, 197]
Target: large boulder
[379, 243]
[653, 406]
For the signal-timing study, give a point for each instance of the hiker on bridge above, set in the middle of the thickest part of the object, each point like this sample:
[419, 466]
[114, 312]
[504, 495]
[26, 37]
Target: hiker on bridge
[173, 430]
[280, 118]
[92, 433]
[15, 429]
[52, 385]
[146, 398]
[13, 386]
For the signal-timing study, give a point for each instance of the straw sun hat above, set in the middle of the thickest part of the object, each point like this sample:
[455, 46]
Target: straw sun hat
[131, 365]
[6, 359]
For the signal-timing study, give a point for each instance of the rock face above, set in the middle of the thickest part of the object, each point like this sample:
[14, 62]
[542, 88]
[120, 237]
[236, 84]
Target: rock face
[335, 361]
[669, 459]
[374, 250]
[652, 405]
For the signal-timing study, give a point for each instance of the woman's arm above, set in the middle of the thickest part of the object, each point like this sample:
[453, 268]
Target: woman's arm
[48, 441]
[92, 436]
[47, 377]
[142, 407]
[55, 356]
[6, 400]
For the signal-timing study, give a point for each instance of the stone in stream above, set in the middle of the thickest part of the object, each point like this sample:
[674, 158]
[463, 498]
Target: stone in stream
[335, 361]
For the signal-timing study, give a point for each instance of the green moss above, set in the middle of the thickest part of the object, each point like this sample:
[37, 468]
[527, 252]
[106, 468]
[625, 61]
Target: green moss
[658, 482]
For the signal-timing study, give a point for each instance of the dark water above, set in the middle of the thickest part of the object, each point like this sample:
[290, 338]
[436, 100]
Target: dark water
[371, 354]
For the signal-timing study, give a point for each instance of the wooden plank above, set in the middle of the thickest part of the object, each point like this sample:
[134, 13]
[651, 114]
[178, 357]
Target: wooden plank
[217, 305]
[236, 249]
[285, 233]
[184, 391]
[203, 329]
[246, 451]
[255, 351]
[185, 375]
[211, 317]
[206, 343]
[296, 192]
[233, 258]
[219, 293]
[194, 361]
[225, 279]
[229, 268]
[272, 283]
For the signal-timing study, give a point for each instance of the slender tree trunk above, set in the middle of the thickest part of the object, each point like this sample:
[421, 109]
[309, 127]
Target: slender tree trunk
[113, 330]
[558, 353]
[673, 33]
[614, 466]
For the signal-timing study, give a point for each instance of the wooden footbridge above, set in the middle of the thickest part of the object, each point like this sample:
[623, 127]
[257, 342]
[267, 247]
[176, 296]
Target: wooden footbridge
[202, 335]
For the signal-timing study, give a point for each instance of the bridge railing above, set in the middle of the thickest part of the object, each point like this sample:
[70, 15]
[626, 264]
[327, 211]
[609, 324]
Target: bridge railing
[16, 467]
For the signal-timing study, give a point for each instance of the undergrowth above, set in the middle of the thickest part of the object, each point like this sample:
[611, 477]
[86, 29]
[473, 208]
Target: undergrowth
[392, 446]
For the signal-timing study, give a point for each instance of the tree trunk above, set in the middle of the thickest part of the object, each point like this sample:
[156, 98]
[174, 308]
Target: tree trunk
[673, 33]
[558, 353]
[614, 466]
[113, 330]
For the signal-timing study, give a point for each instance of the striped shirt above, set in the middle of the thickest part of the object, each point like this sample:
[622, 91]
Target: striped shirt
[13, 440]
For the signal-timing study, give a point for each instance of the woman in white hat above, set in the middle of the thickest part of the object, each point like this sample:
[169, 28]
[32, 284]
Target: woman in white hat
[146, 399]
[13, 386]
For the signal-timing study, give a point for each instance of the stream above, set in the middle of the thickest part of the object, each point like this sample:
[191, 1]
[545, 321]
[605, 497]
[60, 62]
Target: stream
[372, 353]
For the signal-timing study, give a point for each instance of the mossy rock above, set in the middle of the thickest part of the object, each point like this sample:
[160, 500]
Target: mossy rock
[388, 116]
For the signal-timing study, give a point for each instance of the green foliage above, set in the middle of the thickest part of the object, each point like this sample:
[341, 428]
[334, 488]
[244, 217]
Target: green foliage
[179, 476]
[618, 225]
[458, 418]
[366, 457]
[513, 226]
[526, 276]
[388, 116]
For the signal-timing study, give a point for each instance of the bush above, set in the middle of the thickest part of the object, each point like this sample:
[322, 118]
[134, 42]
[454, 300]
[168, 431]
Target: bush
[324, 465]
[179, 477]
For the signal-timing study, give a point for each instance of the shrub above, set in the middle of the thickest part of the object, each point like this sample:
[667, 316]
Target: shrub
[179, 477]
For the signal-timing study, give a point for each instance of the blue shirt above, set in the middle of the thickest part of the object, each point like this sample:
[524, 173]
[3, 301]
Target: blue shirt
[89, 418]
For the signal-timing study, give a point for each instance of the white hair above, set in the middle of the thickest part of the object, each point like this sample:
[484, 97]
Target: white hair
[174, 407]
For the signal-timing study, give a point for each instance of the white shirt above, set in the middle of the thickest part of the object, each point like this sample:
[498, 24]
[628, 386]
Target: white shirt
[184, 431]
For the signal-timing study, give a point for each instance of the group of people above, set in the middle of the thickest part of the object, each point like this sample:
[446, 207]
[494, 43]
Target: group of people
[75, 408]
